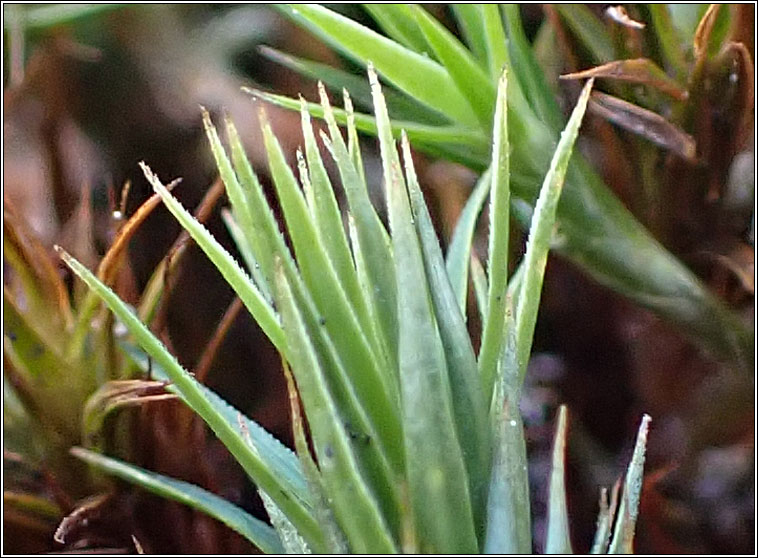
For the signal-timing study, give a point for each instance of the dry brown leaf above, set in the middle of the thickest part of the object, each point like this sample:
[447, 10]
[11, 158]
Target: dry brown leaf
[644, 123]
[637, 70]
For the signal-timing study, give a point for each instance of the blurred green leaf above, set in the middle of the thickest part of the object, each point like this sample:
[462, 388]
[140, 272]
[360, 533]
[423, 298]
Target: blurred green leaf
[589, 30]
[428, 82]
[397, 21]
[465, 72]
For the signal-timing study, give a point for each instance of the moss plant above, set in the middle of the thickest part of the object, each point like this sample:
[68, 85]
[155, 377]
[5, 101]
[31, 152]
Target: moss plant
[417, 441]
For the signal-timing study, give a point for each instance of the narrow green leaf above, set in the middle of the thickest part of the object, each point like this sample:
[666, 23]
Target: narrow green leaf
[373, 245]
[623, 533]
[254, 530]
[479, 279]
[468, 399]
[454, 135]
[459, 250]
[495, 38]
[497, 261]
[527, 71]
[396, 20]
[541, 232]
[374, 386]
[508, 511]
[251, 297]
[437, 483]
[400, 105]
[267, 240]
[331, 231]
[336, 543]
[589, 30]
[280, 458]
[353, 503]
[558, 540]
[470, 22]
[253, 267]
[353, 145]
[468, 76]
[259, 469]
[420, 77]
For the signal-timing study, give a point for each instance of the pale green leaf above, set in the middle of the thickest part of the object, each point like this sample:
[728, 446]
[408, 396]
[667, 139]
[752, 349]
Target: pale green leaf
[508, 510]
[436, 474]
[497, 261]
[558, 539]
[541, 232]
[623, 532]
[469, 406]
[260, 470]
[459, 250]
[354, 505]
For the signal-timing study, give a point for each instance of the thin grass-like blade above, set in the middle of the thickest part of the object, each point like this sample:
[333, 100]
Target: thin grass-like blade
[603, 525]
[420, 77]
[333, 535]
[589, 30]
[252, 298]
[541, 232]
[453, 135]
[331, 231]
[247, 254]
[495, 39]
[253, 529]
[469, 77]
[396, 20]
[261, 470]
[528, 73]
[459, 251]
[373, 245]
[623, 532]
[468, 399]
[508, 509]
[437, 480]
[353, 503]
[672, 47]
[497, 262]
[281, 458]
[400, 105]
[558, 540]
[470, 22]
[373, 385]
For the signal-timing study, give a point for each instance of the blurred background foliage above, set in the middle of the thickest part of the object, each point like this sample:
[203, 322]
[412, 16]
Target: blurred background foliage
[91, 90]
